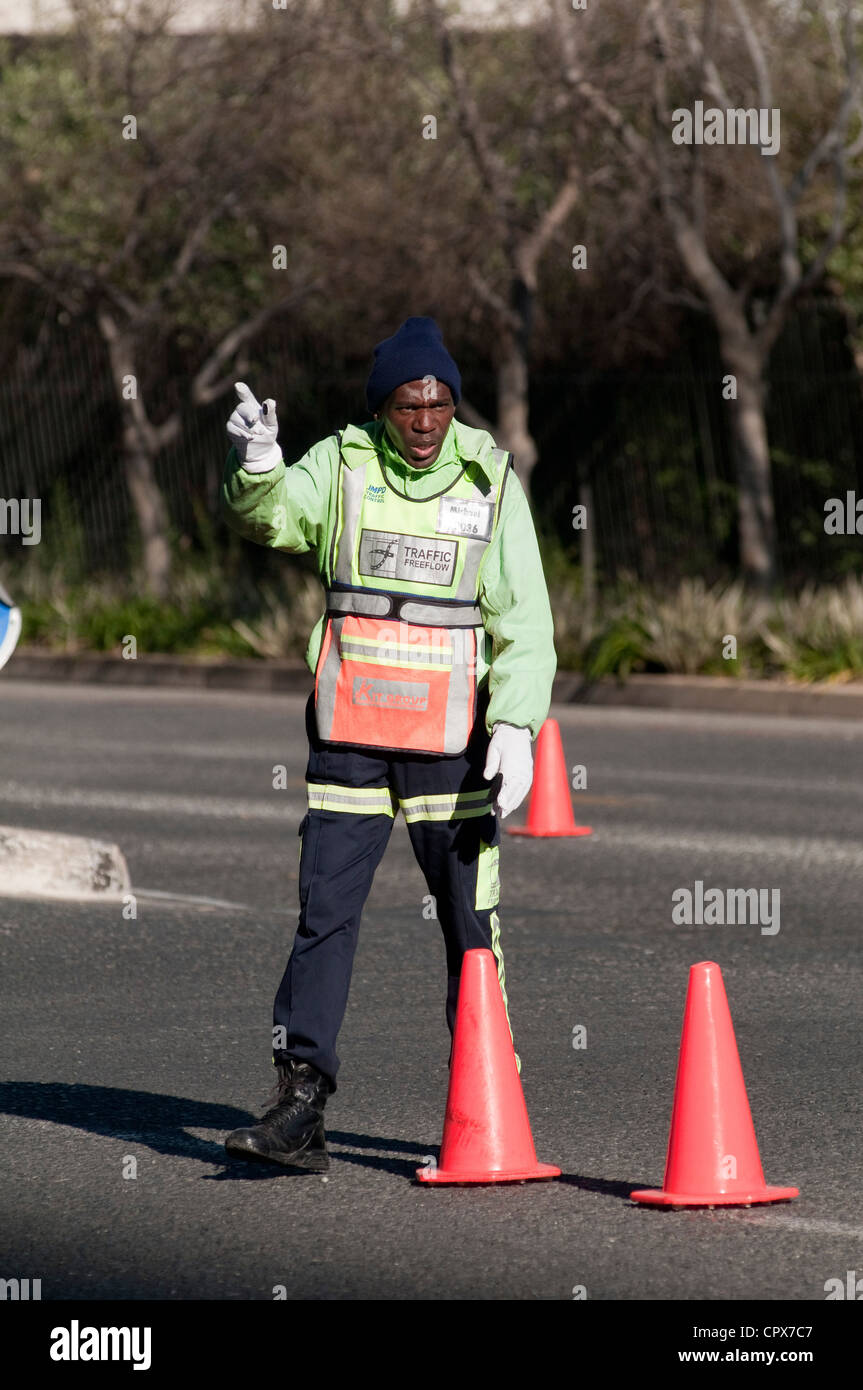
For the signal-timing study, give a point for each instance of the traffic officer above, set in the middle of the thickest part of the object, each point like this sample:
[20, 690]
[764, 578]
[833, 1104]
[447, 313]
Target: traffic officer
[433, 665]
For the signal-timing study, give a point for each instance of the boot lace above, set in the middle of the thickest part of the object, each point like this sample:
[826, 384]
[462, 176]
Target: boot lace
[279, 1099]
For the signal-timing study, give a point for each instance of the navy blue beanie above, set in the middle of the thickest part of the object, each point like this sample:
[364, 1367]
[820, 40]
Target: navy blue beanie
[415, 351]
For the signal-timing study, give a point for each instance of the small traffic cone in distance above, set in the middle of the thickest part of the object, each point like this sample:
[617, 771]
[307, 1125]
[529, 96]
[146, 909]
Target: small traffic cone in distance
[486, 1134]
[549, 810]
[712, 1158]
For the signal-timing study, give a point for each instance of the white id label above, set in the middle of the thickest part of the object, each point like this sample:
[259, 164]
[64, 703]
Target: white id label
[459, 516]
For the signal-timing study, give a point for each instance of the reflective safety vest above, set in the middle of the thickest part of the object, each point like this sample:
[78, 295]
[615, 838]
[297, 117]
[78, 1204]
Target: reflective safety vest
[397, 665]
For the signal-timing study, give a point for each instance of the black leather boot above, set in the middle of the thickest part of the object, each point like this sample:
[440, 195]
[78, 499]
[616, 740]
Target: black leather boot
[292, 1132]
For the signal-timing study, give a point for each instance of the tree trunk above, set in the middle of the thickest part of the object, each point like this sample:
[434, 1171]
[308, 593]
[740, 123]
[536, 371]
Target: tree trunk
[142, 443]
[150, 512]
[756, 522]
[512, 407]
[587, 558]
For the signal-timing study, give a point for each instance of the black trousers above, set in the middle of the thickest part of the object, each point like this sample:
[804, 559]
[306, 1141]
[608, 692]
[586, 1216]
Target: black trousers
[354, 796]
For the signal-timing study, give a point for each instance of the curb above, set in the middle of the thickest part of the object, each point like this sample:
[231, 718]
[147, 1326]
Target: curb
[158, 669]
[722, 694]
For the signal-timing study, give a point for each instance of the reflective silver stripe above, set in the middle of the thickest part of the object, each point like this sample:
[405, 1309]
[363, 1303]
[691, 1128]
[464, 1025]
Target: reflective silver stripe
[459, 813]
[394, 656]
[476, 548]
[459, 705]
[447, 805]
[394, 653]
[421, 611]
[447, 798]
[353, 487]
[366, 605]
[327, 678]
[363, 801]
[435, 615]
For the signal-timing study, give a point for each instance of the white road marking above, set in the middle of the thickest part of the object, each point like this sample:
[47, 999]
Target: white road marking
[153, 803]
[755, 727]
[808, 853]
[194, 898]
[272, 750]
[711, 782]
[88, 693]
[775, 1221]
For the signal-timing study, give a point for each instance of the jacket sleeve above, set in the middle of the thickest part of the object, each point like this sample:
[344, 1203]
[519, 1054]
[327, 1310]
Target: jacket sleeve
[517, 614]
[288, 508]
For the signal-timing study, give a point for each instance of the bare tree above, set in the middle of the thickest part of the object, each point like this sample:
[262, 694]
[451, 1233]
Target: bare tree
[502, 271]
[521, 239]
[163, 240]
[748, 321]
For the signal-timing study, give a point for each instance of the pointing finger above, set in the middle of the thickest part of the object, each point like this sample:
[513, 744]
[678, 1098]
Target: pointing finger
[245, 394]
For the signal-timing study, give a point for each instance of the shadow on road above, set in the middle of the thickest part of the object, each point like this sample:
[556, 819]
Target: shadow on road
[142, 1117]
[606, 1187]
[402, 1167]
[160, 1122]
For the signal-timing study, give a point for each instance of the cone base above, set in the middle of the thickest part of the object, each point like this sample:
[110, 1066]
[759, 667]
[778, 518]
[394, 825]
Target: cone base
[442, 1175]
[654, 1197]
[546, 834]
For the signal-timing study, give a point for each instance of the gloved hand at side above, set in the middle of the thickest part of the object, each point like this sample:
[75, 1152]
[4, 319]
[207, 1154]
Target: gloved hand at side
[510, 754]
[252, 429]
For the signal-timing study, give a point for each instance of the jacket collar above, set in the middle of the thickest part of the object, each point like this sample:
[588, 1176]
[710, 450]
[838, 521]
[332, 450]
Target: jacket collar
[461, 443]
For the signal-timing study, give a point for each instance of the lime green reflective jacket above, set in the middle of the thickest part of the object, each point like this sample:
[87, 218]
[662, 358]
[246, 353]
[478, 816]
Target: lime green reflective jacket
[294, 509]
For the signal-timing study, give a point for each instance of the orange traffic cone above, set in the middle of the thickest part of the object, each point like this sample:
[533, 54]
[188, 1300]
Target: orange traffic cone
[486, 1134]
[549, 811]
[712, 1157]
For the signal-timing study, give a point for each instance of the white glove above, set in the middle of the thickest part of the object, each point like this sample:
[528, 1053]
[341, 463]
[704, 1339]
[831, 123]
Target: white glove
[509, 753]
[253, 430]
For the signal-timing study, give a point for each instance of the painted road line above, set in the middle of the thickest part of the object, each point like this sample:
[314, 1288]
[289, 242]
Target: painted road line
[152, 803]
[159, 896]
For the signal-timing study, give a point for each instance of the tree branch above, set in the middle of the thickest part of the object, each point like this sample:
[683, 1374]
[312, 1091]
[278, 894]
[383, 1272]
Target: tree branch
[472, 417]
[205, 388]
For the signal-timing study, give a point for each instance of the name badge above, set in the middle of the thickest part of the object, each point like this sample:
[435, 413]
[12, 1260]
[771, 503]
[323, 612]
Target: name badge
[459, 516]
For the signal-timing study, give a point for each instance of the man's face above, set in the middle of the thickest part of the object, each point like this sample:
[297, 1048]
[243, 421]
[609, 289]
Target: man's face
[419, 413]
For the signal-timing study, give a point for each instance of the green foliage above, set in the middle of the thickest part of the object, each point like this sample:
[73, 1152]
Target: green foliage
[819, 635]
[816, 635]
[617, 649]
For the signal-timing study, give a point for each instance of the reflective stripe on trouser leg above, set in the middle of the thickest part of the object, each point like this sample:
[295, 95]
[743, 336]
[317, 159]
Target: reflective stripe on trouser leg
[362, 801]
[458, 858]
[501, 975]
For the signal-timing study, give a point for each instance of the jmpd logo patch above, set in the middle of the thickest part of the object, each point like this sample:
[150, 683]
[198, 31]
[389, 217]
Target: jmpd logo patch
[375, 492]
[392, 695]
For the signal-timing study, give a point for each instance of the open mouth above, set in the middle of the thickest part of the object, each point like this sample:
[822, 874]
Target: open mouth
[423, 451]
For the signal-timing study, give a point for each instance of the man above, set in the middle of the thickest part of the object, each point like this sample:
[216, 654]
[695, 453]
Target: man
[433, 667]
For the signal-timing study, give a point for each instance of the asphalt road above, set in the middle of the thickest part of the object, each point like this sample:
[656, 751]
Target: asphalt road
[149, 1038]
